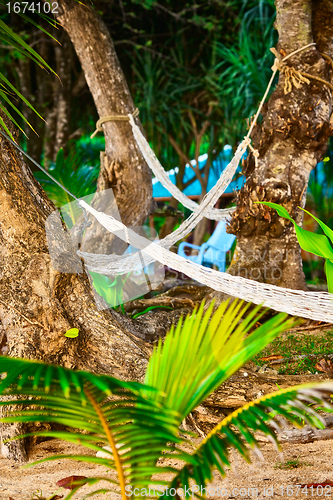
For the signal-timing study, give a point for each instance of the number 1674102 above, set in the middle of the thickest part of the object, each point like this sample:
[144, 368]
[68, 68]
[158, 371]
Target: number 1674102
[38, 7]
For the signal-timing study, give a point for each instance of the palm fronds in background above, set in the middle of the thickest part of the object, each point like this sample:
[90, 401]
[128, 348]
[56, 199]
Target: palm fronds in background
[7, 90]
[78, 177]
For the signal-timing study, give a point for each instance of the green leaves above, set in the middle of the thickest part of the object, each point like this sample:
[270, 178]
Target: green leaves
[237, 430]
[110, 411]
[317, 244]
[111, 291]
[140, 422]
[74, 173]
[206, 349]
[9, 37]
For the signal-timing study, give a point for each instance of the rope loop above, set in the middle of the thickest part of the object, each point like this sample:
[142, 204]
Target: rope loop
[293, 77]
[112, 118]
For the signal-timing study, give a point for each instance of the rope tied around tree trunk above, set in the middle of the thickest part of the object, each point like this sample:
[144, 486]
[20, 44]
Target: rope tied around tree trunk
[294, 78]
[112, 118]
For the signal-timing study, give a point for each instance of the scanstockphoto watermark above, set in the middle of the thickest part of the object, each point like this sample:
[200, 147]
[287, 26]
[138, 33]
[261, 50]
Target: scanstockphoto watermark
[68, 232]
[192, 491]
[266, 265]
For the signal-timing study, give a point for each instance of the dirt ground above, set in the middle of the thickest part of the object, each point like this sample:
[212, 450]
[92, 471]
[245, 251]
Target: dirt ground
[261, 479]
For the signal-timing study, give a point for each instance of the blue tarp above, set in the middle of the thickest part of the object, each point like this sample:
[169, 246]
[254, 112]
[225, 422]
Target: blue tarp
[194, 189]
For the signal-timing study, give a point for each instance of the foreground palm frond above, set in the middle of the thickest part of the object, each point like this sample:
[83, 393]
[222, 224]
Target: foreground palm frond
[78, 177]
[206, 350]
[110, 411]
[237, 431]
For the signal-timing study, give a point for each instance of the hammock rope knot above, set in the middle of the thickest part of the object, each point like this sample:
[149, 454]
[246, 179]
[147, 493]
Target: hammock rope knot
[112, 118]
[293, 77]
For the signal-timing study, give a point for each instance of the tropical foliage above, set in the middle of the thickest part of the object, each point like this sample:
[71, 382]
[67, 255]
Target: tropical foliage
[318, 244]
[73, 173]
[7, 90]
[111, 291]
[244, 66]
[140, 422]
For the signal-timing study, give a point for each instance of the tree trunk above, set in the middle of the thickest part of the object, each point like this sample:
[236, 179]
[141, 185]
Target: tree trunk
[37, 86]
[169, 223]
[38, 304]
[200, 231]
[291, 140]
[125, 169]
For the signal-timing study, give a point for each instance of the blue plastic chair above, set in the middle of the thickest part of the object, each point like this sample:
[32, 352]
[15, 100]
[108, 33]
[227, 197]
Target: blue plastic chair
[148, 270]
[213, 252]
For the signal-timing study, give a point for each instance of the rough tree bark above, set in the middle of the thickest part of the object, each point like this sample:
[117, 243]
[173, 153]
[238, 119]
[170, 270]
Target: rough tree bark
[123, 169]
[57, 128]
[37, 86]
[291, 140]
[38, 304]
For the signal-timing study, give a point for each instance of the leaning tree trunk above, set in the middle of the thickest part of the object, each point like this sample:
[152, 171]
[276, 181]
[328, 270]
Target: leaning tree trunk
[123, 168]
[291, 140]
[38, 304]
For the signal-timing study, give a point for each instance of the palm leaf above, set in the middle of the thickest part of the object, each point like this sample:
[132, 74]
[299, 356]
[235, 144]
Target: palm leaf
[237, 430]
[9, 37]
[206, 350]
[112, 411]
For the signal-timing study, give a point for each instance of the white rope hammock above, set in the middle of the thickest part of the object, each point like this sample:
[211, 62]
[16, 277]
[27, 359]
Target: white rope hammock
[162, 176]
[318, 306]
[112, 264]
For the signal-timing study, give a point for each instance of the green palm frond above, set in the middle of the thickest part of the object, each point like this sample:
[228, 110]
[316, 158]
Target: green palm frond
[237, 430]
[10, 38]
[78, 177]
[206, 350]
[244, 66]
[113, 412]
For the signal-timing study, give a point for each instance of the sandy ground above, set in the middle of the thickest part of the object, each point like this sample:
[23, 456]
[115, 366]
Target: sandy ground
[261, 479]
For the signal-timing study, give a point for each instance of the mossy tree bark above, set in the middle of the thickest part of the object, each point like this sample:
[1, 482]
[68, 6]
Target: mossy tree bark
[291, 140]
[38, 304]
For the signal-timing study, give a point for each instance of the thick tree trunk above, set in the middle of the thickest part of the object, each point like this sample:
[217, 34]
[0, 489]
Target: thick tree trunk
[38, 304]
[125, 169]
[291, 140]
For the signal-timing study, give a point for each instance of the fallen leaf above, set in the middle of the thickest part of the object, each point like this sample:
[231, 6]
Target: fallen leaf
[273, 357]
[71, 482]
[72, 333]
[324, 365]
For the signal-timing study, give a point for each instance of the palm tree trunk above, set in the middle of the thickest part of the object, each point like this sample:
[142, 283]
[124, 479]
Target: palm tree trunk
[291, 140]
